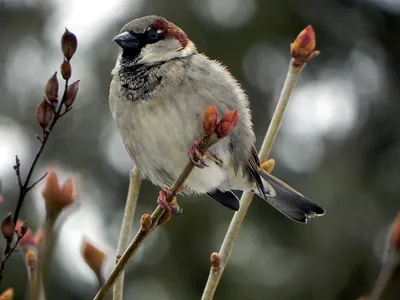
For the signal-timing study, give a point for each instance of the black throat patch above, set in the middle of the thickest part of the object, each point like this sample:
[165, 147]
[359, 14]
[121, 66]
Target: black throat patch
[139, 80]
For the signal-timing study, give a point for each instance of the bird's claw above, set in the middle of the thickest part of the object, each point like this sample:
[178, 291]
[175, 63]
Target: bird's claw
[172, 206]
[196, 157]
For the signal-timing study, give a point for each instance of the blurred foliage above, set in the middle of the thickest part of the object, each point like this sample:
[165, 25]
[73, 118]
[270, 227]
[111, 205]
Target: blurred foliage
[354, 172]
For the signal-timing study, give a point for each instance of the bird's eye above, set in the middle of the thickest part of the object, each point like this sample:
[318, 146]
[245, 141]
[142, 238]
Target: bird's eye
[152, 34]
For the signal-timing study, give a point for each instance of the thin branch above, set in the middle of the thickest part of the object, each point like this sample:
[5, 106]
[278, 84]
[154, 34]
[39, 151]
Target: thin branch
[126, 228]
[37, 181]
[44, 257]
[247, 197]
[387, 278]
[145, 231]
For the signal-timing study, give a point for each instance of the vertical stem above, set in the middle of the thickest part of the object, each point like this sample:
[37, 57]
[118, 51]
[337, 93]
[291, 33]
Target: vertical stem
[126, 228]
[247, 197]
[44, 260]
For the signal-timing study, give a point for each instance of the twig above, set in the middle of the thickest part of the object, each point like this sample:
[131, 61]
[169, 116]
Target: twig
[47, 121]
[126, 228]
[389, 274]
[144, 231]
[44, 257]
[215, 274]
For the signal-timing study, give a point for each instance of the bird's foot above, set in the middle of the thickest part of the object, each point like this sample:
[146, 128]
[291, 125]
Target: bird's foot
[171, 206]
[195, 156]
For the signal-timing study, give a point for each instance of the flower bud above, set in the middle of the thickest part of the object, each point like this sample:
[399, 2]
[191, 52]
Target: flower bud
[145, 222]
[31, 259]
[72, 91]
[210, 120]
[94, 258]
[7, 227]
[227, 124]
[215, 259]
[44, 114]
[25, 234]
[303, 47]
[8, 294]
[51, 90]
[268, 165]
[56, 198]
[69, 44]
[66, 69]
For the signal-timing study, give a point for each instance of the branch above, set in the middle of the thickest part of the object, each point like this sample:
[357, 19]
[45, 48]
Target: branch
[296, 66]
[213, 132]
[126, 228]
[47, 115]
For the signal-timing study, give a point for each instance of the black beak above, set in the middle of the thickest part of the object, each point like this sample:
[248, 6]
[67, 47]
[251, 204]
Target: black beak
[127, 41]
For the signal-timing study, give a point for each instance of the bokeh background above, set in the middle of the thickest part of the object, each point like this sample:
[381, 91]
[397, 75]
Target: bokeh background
[339, 145]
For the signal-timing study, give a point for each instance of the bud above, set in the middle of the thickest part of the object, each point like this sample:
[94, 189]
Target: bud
[44, 114]
[215, 259]
[227, 124]
[210, 120]
[23, 231]
[31, 259]
[66, 69]
[72, 90]
[56, 198]
[7, 227]
[145, 222]
[303, 47]
[51, 90]
[268, 165]
[395, 234]
[8, 294]
[93, 257]
[69, 44]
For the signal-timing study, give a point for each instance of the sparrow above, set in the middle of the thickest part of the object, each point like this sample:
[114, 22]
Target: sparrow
[161, 86]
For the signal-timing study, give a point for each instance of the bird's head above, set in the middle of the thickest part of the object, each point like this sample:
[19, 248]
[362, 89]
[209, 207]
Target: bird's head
[153, 39]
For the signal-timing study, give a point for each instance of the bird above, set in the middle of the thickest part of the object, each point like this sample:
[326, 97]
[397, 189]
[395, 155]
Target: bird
[160, 87]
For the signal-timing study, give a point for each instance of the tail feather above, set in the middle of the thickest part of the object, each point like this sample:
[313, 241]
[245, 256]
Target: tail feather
[287, 200]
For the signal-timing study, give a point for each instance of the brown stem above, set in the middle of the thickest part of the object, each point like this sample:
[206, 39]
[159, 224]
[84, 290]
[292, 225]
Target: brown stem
[142, 234]
[25, 187]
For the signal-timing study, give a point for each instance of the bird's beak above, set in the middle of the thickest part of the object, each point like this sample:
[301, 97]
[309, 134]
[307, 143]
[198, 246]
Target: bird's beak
[126, 41]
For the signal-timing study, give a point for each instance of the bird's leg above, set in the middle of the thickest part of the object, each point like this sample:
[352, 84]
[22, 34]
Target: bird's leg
[195, 156]
[172, 206]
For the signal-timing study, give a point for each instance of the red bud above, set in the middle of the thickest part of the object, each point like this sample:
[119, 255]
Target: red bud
[69, 44]
[7, 227]
[72, 91]
[66, 69]
[395, 234]
[44, 113]
[51, 90]
[210, 120]
[303, 47]
[227, 124]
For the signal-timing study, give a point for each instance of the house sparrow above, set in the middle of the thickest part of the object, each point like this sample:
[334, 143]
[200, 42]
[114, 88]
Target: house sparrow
[160, 88]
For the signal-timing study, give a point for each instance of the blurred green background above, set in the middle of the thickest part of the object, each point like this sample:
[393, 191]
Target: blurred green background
[339, 145]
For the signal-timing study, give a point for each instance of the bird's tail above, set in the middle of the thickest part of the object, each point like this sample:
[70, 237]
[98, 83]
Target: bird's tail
[286, 199]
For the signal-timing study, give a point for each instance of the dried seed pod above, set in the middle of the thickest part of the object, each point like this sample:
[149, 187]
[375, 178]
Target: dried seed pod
[51, 90]
[44, 114]
[69, 44]
[72, 91]
[66, 69]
